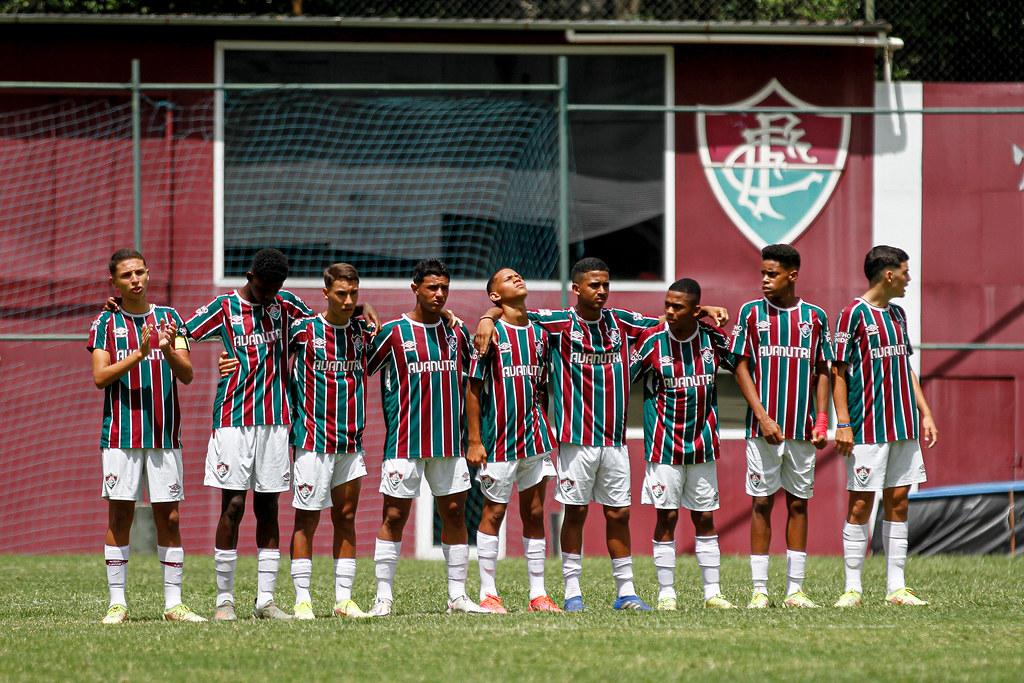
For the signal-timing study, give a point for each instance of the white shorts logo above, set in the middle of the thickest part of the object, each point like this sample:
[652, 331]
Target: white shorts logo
[566, 484]
[394, 479]
[222, 469]
[174, 489]
[755, 479]
[862, 474]
[487, 481]
[658, 490]
[110, 480]
[305, 491]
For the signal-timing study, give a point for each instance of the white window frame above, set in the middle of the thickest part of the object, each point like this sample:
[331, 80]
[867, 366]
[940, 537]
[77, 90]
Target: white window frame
[668, 154]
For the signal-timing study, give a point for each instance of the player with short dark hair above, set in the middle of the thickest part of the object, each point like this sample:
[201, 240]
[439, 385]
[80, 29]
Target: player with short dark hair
[328, 400]
[783, 348]
[139, 355]
[510, 439]
[421, 361]
[881, 412]
[249, 445]
[678, 362]
[589, 361]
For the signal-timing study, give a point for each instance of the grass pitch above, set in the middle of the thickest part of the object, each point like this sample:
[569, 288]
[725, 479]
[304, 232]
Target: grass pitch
[974, 629]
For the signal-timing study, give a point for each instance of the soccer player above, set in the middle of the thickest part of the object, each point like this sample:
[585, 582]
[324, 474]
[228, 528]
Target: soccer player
[510, 439]
[679, 362]
[878, 400]
[329, 405]
[138, 357]
[589, 359]
[249, 445]
[422, 361]
[783, 348]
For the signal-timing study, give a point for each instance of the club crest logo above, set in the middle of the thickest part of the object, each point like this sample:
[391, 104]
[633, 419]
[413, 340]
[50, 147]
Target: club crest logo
[755, 480]
[707, 354]
[110, 480]
[862, 474]
[286, 478]
[319, 343]
[236, 320]
[805, 329]
[487, 481]
[538, 346]
[394, 479]
[357, 344]
[614, 337]
[222, 469]
[274, 310]
[453, 343]
[773, 172]
[658, 489]
[566, 484]
[714, 499]
[304, 491]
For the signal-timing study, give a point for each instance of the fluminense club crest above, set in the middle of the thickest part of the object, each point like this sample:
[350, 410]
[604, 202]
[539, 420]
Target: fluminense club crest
[773, 172]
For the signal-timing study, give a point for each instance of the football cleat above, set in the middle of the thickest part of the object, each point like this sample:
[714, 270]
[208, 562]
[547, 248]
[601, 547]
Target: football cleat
[270, 611]
[466, 606]
[667, 604]
[758, 600]
[543, 604]
[304, 611]
[381, 608]
[181, 613]
[116, 614]
[718, 602]
[575, 604]
[849, 599]
[492, 603]
[798, 599]
[225, 612]
[349, 608]
[632, 603]
[905, 596]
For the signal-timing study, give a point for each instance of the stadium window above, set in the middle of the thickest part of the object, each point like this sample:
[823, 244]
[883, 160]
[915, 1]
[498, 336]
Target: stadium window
[380, 178]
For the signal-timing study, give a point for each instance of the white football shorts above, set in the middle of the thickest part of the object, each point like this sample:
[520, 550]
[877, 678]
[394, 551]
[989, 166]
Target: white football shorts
[125, 471]
[254, 457]
[789, 465]
[401, 477]
[878, 466]
[314, 476]
[593, 473]
[496, 478]
[670, 487]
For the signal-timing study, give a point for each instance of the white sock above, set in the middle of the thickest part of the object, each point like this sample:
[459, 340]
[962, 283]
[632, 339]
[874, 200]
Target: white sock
[759, 573]
[709, 559]
[855, 547]
[385, 559]
[622, 572]
[572, 567]
[344, 577]
[225, 561]
[535, 550]
[796, 569]
[268, 561]
[117, 572]
[173, 562]
[302, 576]
[665, 565]
[894, 540]
[456, 556]
[487, 556]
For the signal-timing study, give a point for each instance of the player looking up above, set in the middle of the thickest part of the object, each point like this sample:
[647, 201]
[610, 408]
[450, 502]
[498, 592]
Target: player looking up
[249, 445]
[783, 348]
[421, 361]
[139, 355]
[878, 398]
[679, 362]
[329, 412]
[510, 439]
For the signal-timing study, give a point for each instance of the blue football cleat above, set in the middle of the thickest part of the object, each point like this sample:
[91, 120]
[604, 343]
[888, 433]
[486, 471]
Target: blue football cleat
[575, 604]
[631, 602]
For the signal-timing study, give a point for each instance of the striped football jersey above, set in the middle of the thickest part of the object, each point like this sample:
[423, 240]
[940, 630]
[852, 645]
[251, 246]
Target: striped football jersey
[784, 346]
[589, 364]
[680, 392]
[140, 410]
[880, 390]
[328, 393]
[255, 393]
[513, 423]
[421, 368]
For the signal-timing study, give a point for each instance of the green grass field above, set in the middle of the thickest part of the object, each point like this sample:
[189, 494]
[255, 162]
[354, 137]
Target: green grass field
[974, 629]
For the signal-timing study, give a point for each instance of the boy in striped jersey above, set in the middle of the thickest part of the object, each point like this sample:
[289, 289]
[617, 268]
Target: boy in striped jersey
[249, 445]
[422, 361]
[784, 348]
[138, 357]
[878, 399]
[328, 398]
[589, 362]
[679, 361]
[510, 439]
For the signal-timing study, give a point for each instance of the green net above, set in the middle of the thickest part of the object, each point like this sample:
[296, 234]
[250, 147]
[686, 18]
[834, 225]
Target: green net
[384, 182]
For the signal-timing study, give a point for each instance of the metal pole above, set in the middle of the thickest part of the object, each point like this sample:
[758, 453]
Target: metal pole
[563, 177]
[137, 152]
